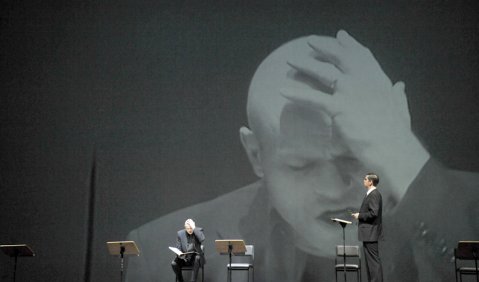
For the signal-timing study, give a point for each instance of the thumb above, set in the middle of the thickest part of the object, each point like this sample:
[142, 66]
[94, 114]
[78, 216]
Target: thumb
[400, 99]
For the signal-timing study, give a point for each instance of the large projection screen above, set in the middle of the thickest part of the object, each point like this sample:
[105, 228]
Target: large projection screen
[119, 120]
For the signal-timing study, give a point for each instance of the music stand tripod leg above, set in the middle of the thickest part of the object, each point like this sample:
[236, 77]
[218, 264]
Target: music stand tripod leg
[122, 252]
[230, 250]
[15, 266]
[343, 225]
[477, 270]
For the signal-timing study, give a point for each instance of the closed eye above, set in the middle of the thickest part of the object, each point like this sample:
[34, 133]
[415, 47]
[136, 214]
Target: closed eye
[302, 165]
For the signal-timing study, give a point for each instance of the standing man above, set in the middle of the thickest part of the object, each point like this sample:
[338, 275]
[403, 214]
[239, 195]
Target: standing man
[370, 227]
[189, 240]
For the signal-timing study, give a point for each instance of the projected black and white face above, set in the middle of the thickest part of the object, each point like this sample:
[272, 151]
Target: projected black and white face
[311, 177]
[310, 174]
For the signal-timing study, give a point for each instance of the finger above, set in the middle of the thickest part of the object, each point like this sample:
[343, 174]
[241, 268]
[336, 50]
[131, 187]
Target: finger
[346, 40]
[311, 98]
[325, 73]
[328, 49]
[357, 56]
[400, 99]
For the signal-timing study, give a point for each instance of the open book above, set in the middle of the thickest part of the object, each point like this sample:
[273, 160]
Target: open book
[179, 253]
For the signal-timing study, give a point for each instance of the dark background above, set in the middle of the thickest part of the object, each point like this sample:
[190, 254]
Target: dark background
[113, 113]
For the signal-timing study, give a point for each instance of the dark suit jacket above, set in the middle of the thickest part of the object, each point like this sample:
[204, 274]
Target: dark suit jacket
[199, 236]
[370, 228]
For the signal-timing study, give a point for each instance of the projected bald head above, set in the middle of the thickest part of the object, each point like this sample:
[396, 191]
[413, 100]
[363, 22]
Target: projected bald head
[294, 149]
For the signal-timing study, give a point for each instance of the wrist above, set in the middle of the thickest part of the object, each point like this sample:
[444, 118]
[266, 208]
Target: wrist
[400, 162]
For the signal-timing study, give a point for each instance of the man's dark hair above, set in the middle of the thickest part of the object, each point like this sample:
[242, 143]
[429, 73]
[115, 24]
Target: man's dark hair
[373, 177]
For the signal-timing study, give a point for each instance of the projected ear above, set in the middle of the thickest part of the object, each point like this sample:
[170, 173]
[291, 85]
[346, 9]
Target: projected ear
[251, 146]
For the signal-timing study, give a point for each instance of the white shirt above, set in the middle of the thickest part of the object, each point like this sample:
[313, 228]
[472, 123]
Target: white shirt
[370, 190]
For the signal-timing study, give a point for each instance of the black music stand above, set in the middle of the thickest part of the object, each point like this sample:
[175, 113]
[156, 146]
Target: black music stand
[343, 224]
[229, 247]
[121, 248]
[469, 249]
[19, 250]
